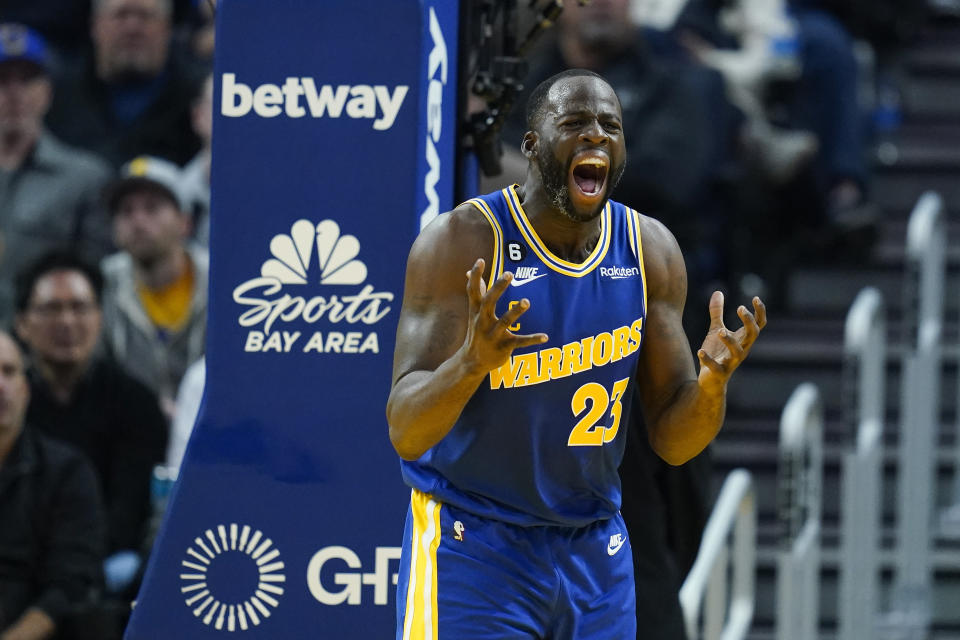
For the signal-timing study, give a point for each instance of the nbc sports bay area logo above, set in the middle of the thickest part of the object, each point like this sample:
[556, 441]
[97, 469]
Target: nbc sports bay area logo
[312, 295]
[232, 577]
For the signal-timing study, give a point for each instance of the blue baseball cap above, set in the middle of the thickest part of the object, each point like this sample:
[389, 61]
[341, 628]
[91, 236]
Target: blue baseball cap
[18, 42]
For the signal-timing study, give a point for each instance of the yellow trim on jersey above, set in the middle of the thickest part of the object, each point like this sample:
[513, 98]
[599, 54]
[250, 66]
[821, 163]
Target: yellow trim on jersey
[420, 620]
[497, 267]
[638, 243]
[558, 264]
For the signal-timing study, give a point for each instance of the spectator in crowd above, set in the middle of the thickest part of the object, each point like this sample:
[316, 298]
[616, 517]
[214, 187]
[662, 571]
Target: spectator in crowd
[196, 174]
[51, 539]
[155, 299]
[89, 401]
[49, 192]
[799, 42]
[823, 209]
[133, 97]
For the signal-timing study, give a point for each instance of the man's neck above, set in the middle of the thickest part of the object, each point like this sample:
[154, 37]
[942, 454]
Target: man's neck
[163, 272]
[565, 237]
[15, 147]
[61, 379]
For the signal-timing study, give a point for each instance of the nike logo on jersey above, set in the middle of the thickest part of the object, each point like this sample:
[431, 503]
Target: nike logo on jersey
[616, 541]
[523, 275]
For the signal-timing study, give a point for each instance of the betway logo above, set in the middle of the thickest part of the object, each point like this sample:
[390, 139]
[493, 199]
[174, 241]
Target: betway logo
[436, 64]
[375, 102]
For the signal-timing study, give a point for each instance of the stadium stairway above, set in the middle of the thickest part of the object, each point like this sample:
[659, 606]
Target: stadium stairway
[804, 342]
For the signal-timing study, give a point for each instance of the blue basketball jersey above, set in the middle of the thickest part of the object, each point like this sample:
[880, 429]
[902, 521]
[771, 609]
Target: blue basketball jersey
[540, 441]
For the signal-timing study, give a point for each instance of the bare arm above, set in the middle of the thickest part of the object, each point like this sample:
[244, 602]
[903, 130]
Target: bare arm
[684, 410]
[449, 336]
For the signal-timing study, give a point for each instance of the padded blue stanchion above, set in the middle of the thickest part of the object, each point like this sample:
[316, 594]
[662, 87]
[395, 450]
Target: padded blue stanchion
[334, 136]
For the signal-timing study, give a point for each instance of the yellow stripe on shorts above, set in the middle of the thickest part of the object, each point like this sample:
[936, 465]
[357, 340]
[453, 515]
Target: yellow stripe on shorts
[420, 617]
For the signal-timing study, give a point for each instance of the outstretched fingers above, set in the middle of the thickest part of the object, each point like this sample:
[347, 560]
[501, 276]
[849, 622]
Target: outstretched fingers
[751, 327]
[510, 318]
[475, 286]
[528, 340]
[716, 310]
[760, 311]
[513, 314]
[707, 361]
[491, 297]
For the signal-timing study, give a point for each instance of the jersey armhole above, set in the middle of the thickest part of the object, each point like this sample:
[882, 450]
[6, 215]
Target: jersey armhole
[636, 245]
[496, 269]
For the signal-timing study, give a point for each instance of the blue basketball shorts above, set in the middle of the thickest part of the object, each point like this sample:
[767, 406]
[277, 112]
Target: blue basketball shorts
[463, 577]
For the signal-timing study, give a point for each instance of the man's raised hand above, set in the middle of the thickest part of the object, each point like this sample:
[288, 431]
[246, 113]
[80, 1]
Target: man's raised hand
[489, 341]
[723, 350]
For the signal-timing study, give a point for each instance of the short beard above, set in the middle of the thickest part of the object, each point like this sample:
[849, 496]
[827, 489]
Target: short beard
[554, 179]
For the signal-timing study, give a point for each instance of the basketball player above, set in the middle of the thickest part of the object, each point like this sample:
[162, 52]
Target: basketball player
[510, 382]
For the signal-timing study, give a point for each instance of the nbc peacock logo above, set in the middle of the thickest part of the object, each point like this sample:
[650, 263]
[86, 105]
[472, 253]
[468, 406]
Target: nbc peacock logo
[277, 305]
[336, 255]
[232, 577]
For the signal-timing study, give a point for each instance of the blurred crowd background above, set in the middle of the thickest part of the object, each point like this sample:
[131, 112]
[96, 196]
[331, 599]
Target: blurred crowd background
[752, 127]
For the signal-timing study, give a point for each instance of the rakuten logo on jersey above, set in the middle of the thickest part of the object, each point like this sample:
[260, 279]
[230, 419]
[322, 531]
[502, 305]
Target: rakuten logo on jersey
[311, 254]
[619, 273]
[299, 97]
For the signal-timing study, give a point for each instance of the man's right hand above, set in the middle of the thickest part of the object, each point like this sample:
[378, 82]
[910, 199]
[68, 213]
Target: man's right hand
[489, 341]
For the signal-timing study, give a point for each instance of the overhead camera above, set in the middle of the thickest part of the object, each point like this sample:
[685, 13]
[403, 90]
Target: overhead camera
[499, 33]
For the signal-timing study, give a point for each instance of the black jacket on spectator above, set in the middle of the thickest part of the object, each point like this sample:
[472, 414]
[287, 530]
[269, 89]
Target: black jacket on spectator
[117, 422]
[82, 114]
[52, 530]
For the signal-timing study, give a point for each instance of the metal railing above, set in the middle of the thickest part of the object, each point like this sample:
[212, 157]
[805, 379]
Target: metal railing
[726, 612]
[950, 515]
[865, 359]
[919, 418]
[799, 486]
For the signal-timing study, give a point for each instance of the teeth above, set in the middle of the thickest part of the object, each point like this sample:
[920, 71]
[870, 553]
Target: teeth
[596, 162]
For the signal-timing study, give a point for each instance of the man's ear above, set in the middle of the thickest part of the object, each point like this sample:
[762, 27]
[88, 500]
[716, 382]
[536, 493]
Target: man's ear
[529, 144]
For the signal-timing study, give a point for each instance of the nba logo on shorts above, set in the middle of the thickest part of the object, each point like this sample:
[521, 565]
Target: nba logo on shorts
[458, 531]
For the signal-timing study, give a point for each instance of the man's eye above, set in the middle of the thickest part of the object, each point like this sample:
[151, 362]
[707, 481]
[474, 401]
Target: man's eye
[572, 123]
[612, 126]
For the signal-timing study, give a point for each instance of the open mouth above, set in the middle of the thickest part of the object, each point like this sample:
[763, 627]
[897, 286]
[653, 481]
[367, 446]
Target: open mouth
[590, 174]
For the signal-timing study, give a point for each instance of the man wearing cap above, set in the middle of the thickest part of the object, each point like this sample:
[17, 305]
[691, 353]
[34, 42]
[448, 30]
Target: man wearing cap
[49, 192]
[155, 299]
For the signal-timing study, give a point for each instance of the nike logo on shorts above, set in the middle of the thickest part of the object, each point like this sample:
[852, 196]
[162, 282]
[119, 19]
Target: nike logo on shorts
[616, 541]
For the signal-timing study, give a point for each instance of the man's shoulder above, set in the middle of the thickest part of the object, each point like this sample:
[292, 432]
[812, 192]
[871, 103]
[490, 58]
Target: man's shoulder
[653, 233]
[69, 159]
[458, 226]
[452, 242]
[118, 384]
[662, 258]
[50, 453]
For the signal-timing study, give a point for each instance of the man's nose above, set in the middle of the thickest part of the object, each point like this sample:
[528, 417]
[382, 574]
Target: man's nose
[594, 133]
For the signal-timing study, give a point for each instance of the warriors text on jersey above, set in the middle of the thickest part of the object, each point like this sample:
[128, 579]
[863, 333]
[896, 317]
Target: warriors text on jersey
[540, 441]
